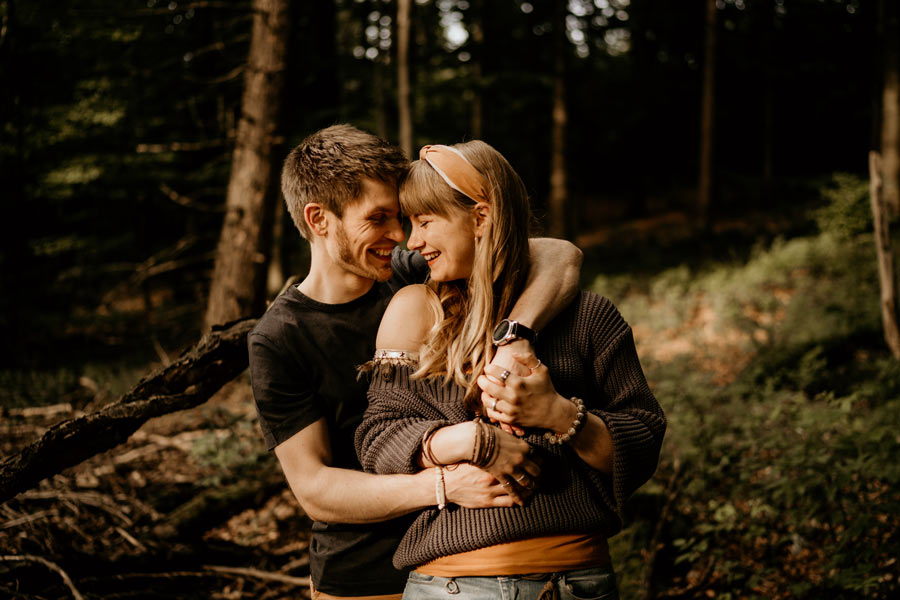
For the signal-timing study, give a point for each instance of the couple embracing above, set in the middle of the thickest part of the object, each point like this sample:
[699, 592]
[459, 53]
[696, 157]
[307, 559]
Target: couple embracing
[504, 419]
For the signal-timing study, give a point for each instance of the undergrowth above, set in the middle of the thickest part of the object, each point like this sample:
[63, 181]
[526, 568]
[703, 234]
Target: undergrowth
[780, 473]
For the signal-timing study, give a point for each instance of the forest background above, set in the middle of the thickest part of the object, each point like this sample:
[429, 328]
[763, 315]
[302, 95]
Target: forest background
[711, 158]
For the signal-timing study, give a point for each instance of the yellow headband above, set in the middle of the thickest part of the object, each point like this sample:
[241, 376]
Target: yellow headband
[456, 171]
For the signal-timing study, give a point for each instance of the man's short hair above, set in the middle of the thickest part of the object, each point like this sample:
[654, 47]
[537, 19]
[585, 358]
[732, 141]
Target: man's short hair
[328, 168]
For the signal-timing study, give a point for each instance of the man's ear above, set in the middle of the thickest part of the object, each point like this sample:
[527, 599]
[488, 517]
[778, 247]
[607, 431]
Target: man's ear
[316, 219]
[482, 214]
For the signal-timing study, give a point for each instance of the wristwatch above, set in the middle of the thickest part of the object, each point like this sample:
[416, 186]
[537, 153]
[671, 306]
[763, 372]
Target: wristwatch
[507, 331]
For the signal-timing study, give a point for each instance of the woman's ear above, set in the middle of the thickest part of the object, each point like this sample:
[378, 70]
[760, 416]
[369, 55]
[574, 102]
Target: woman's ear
[482, 214]
[316, 220]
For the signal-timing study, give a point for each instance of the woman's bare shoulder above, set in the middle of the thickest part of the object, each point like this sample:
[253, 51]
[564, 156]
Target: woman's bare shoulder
[408, 319]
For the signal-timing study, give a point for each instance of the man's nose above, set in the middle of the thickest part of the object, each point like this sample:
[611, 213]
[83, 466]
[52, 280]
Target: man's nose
[395, 231]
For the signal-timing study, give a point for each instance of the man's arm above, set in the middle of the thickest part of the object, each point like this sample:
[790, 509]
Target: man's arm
[330, 494]
[552, 281]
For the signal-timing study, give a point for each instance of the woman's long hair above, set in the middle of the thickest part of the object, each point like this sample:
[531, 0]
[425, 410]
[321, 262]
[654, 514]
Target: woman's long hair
[459, 345]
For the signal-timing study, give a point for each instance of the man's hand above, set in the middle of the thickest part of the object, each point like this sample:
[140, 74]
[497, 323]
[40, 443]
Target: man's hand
[471, 487]
[504, 358]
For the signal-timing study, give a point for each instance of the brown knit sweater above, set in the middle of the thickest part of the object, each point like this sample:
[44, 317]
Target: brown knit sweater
[589, 350]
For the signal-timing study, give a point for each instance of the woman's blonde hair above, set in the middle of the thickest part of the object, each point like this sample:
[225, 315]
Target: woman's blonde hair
[459, 345]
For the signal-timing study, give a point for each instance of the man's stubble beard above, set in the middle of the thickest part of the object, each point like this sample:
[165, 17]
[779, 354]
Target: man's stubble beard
[351, 264]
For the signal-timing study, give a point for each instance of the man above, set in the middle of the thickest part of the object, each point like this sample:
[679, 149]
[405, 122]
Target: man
[340, 185]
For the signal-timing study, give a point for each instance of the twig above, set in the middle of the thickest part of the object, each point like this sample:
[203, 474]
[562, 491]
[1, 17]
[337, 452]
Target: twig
[41, 411]
[29, 518]
[673, 487]
[187, 202]
[49, 565]
[265, 575]
[178, 146]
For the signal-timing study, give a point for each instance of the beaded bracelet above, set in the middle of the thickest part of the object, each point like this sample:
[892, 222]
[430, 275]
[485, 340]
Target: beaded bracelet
[577, 424]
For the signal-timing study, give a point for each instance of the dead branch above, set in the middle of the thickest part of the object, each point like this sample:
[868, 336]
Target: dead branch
[41, 411]
[188, 382]
[49, 565]
[265, 575]
[177, 198]
[178, 146]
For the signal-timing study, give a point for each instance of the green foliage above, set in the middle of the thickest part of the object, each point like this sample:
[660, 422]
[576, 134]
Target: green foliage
[847, 210]
[788, 480]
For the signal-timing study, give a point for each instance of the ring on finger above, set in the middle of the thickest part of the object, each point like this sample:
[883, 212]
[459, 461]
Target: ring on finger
[494, 404]
[522, 478]
[504, 375]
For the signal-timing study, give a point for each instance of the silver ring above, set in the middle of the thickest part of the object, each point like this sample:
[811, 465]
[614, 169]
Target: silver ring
[524, 476]
[534, 368]
[494, 404]
[504, 376]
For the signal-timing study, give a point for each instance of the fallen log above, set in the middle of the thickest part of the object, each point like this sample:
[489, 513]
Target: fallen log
[191, 380]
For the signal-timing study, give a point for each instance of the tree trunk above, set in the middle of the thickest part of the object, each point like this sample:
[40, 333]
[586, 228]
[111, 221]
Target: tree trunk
[890, 110]
[707, 114]
[885, 256]
[558, 198]
[477, 87]
[239, 278]
[188, 382]
[404, 112]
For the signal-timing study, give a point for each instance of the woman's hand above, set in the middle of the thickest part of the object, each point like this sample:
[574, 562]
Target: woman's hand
[513, 466]
[529, 401]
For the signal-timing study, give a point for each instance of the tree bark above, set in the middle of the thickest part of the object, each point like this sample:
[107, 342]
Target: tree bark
[890, 110]
[239, 278]
[885, 256]
[188, 382]
[404, 112]
[558, 197]
[707, 117]
[477, 45]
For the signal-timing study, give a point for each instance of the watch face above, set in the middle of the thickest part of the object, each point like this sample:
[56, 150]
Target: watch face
[501, 330]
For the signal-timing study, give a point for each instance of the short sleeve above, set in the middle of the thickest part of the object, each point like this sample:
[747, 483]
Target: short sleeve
[285, 401]
[408, 267]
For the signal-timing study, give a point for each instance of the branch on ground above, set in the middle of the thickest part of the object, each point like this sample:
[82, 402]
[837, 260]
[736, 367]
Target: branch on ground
[188, 382]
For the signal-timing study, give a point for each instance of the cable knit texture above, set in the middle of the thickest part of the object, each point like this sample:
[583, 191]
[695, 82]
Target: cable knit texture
[590, 352]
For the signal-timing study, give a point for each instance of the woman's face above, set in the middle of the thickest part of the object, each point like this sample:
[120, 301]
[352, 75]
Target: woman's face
[446, 242]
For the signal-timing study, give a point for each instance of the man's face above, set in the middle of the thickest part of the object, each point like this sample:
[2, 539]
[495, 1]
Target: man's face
[363, 238]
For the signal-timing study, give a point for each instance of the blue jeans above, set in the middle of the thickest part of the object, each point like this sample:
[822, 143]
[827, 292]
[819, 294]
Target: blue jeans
[598, 583]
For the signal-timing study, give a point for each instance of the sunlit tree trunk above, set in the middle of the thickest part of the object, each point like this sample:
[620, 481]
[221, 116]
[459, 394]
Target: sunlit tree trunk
[404, 112]
[890, 110]
[558, 197]
[707, 116]
[239, 278]
[885, 256]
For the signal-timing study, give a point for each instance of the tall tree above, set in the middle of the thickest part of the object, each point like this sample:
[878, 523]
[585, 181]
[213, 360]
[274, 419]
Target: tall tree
[890, 108]
[559, 217]
[404, 8]
[477, 27]
[707, 116]
[239, 278]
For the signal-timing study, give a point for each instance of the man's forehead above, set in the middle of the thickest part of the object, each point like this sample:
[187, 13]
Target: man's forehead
[375, 196]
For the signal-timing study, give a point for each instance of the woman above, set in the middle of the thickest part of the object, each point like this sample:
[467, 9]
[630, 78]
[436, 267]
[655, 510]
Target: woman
[592, 427]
